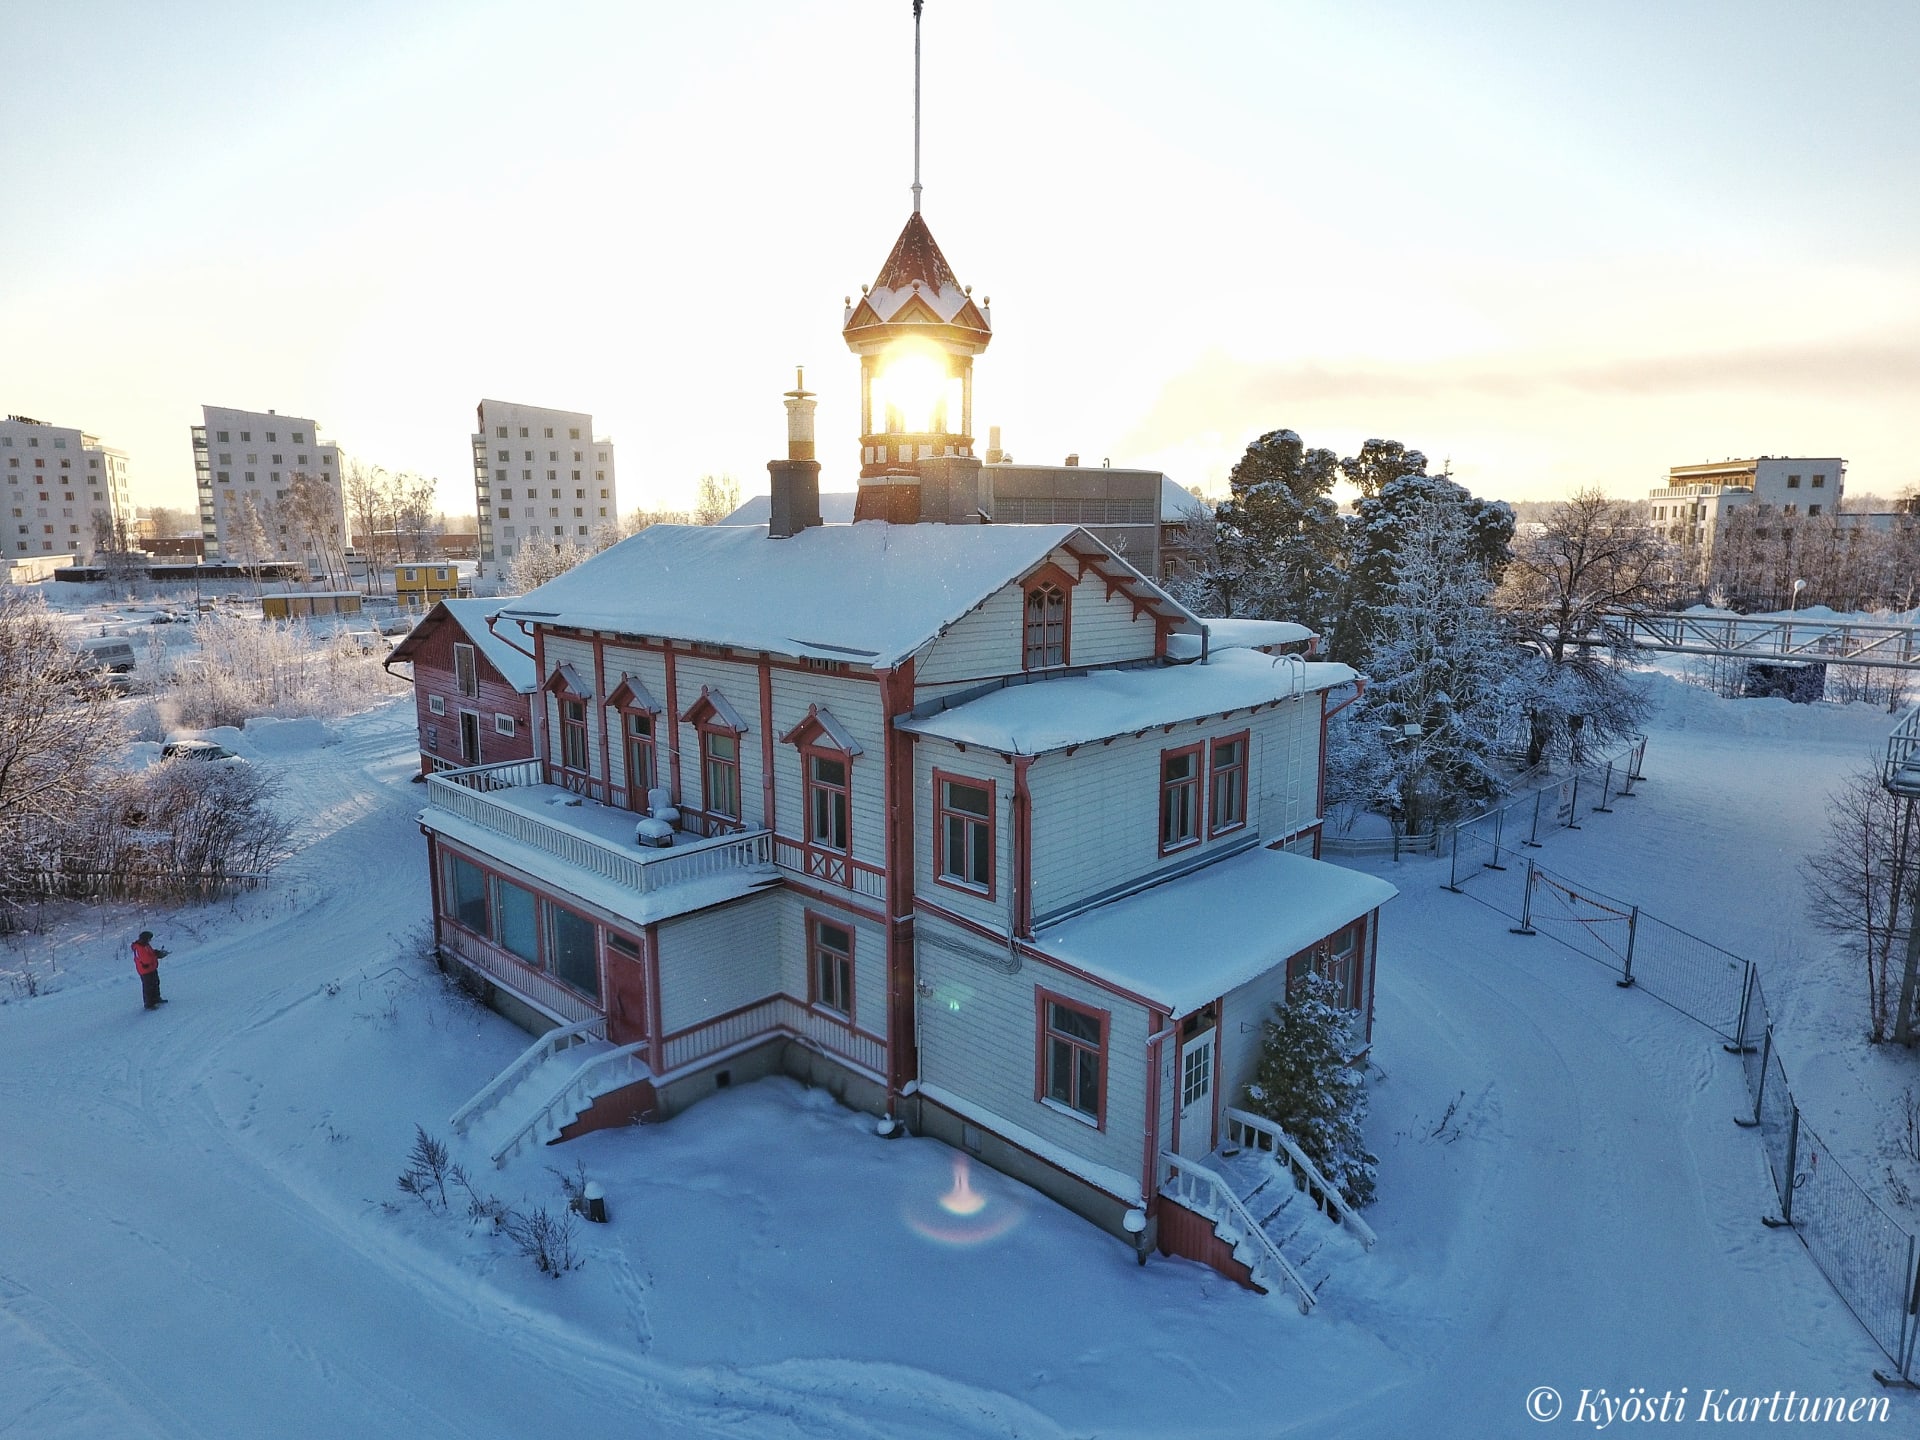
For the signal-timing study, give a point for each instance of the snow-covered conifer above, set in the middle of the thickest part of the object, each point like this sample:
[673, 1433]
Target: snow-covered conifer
[1307, 1084]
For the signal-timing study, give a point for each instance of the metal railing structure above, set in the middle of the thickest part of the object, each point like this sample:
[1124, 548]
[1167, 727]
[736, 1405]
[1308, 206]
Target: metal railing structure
[468, 794]
[562, 1037]
[1902, 772]
[1495, 838]
[1257, 1133]
[1206, 1192]
[1742, 637]
[1867, 1256]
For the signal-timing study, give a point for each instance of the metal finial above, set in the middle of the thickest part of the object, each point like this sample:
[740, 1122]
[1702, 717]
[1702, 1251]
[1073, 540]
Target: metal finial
[916, 105]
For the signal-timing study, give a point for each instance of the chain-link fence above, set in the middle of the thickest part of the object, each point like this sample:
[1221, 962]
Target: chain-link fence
[1867, 1256]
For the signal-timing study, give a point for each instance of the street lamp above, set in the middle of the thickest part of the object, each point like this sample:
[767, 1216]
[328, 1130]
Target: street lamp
[1798, 586]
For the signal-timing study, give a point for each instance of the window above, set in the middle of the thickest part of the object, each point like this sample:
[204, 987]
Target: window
[436, 704]
[1179, 798]
[1227, 787]
[571, 953]
[573, 433]
[1793, 482]
[1813, 509]
[826, 800]
[573, 734]
[467, 894]
[1819, 482]
[501, 432]
[830, 966]
[1045, 628]
[464, 671]
[642, 766]
[1073, 1043]
[720, 772]
[503, 724]
[514, 926]
[963, 833]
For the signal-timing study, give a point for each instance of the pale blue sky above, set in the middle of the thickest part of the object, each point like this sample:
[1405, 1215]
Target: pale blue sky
[1559, 245]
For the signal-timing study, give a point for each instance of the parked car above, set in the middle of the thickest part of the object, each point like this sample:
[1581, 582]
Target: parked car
[113, 655]
[199, 750]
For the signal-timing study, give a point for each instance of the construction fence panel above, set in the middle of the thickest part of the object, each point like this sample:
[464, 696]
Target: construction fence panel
[1695, 976]
[1864, 1253]
[1775, 1113]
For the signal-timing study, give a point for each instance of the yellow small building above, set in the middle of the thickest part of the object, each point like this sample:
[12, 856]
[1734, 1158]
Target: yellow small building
[422, 586]
[298, 604]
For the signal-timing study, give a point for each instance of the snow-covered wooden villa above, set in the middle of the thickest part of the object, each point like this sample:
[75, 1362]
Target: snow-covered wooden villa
[472, 689]
[972, 824]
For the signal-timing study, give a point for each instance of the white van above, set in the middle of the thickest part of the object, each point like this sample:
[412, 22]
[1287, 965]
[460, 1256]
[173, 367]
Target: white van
[111, 655]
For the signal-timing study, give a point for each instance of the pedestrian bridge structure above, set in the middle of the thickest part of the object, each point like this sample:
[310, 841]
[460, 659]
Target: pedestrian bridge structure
[1747, 637]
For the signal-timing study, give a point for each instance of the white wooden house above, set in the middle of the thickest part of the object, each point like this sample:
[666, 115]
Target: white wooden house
[970, 823]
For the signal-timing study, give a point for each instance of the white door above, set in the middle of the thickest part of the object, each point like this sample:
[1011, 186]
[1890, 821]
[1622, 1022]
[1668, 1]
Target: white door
[1196, 1093]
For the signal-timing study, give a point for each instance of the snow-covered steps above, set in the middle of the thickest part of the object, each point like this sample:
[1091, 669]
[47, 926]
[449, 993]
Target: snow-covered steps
[549, 1086]
[1313, 1245]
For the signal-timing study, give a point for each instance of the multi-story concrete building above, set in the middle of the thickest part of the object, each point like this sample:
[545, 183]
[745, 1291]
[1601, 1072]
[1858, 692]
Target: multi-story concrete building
[269, 487]
[1696, 500]
[539, 472]
[66, 493]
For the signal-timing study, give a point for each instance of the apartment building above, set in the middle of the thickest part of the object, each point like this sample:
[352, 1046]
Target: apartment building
[269, 487]
[65, 492]
[539, 472]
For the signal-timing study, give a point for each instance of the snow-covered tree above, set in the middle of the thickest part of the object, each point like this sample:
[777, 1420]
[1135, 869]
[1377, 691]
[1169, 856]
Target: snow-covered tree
[719, 497]
[538, 560]
[1379, 525]
[1306, 1083]
[1591, 555]
[1860, 891]
[1441, 671]
[1279, 540]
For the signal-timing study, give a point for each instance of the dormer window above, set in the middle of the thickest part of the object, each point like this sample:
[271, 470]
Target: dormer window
[1044, 624]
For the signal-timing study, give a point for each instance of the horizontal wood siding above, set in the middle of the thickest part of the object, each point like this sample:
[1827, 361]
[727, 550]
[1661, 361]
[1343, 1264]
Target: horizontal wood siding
[1105, 629]
[856, 705]
[979, 1039]
[739, 681]
[1096, 811]
[930, 755]
[561, 650]
[433, 674]
[980, 645]
[649, 667]
[869, 957]
[718, 960]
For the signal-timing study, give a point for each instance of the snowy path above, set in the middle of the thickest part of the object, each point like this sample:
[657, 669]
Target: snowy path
[198, 1232]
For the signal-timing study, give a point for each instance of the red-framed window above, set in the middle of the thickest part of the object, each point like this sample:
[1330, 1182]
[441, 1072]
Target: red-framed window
[1179, 798]
[1071, 1066]
[466, 673]
[830, 964]
[963, 838]
[1226, 783]
[1046, 609]
[1338, 957]
[643, 767]
[573, 734]
[720, 772]
[829, 777]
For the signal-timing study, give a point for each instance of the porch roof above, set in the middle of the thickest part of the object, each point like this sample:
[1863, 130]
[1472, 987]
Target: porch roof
[1194, 939]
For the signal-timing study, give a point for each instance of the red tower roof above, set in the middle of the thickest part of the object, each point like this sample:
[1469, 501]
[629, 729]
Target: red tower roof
[916, 291]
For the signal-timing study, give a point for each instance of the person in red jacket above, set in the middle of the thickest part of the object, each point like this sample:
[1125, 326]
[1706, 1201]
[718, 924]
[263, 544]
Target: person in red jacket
[147, 960]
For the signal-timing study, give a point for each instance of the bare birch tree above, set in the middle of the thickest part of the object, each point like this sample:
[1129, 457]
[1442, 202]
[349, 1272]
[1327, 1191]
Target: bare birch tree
[1860, 890]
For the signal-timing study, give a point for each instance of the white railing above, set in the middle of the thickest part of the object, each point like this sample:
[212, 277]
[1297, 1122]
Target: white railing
[466, 793]
[1902, 774]
[568, 1101]
[538, 989]
[775, 1016]
[538, 1053]
[1207, 1194]
[1256, 1132]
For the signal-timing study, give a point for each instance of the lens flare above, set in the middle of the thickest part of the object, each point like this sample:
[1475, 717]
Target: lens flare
[912, 389]
[962, 1215]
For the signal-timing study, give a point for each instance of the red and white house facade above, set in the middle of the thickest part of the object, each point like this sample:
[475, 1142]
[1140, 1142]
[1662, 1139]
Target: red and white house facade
[472, 689]
[922, 776]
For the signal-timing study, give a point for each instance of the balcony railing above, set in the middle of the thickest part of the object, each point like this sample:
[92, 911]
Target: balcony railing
[480, 795]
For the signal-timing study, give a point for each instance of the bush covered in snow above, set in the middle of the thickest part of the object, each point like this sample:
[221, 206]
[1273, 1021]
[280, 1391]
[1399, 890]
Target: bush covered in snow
[247, 667]
[1307, 1084]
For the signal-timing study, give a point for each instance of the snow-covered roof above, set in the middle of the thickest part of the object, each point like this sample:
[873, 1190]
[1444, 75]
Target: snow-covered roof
[1234, 634]
[1052, 715]
[836, 508]
[915, 286]
[515, 667]
[872, 593]
[1177, 503]
[1215, 929]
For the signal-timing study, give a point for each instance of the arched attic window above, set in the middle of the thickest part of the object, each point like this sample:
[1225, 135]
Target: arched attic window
[1046, 613]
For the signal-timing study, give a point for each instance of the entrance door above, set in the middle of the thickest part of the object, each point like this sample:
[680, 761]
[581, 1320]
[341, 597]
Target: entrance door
[1196, 1092]
[469, 737]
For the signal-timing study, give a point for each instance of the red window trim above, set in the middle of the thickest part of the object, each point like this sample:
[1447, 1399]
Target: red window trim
[566, 727]
[1197, 781]
[815, 919]
[808, 753]
[1042, 998]
[637, 796]
[1317, 956]
[1245, 768]
[1049, 574]
[940, 876]
[707, 729]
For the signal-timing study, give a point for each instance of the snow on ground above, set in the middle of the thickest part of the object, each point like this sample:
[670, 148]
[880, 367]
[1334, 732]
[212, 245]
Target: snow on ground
[200, 1232]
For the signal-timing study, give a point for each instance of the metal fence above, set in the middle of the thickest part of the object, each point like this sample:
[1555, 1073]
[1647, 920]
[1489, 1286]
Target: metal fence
[1866, 1255]
[1519, 822]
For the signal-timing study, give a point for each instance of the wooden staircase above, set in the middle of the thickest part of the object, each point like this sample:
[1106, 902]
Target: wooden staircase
[549, 1087]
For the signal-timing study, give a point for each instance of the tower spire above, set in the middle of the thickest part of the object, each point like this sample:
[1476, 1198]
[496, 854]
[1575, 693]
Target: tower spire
[916, 105]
